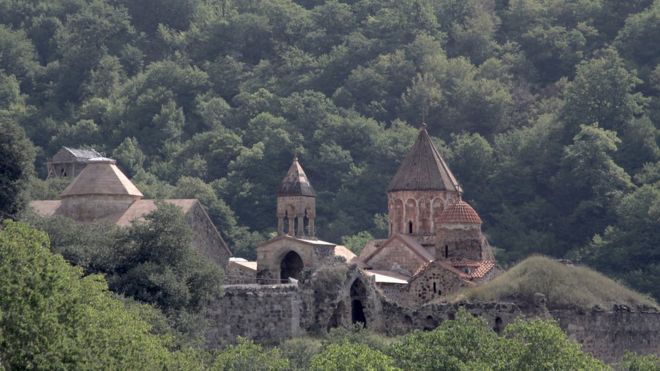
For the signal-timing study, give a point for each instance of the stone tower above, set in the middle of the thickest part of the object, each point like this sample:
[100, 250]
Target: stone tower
[421, 189]
[296, 204]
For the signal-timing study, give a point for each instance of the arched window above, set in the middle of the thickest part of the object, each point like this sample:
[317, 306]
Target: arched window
[410, 227]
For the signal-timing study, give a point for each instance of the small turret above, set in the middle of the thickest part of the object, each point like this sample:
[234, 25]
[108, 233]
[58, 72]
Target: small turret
[296, 204]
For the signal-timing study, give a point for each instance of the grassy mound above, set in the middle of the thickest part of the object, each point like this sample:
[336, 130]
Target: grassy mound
[563, 286]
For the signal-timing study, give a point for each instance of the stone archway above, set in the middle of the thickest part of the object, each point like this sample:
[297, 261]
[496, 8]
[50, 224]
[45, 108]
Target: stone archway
[290, 266]
[358, 299]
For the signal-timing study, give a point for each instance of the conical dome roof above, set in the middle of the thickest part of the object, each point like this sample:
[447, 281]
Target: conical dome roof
[423, 169]
[295, 183]
[459, 213]
[101, 176]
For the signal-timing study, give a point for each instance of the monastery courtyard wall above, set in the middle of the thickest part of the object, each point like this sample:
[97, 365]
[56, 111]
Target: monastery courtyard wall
[269, 314]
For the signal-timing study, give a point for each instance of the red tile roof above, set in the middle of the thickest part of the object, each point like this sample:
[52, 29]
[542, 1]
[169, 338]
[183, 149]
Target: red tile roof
[459, 213]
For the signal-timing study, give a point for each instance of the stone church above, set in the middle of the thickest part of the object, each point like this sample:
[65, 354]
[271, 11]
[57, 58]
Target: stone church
[101, 193]
[435, 244]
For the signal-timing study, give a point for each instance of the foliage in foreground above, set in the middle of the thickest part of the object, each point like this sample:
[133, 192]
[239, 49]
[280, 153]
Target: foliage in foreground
[53, 317]
[563, 285]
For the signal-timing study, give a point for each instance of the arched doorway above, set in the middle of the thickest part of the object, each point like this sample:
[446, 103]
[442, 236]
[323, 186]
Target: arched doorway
[358, 296]
[291, 266]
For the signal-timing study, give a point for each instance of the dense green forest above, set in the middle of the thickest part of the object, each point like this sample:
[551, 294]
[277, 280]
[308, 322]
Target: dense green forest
[546, 110]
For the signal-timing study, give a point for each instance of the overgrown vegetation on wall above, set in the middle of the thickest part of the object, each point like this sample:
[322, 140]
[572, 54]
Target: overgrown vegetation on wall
[563, 286]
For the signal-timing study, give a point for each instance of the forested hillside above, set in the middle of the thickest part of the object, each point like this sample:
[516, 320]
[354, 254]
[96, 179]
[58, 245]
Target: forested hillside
[546, 110]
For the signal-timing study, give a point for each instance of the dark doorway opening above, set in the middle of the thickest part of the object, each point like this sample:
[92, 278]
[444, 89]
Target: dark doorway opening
[358, 296]
[291, 266]
[357, 313]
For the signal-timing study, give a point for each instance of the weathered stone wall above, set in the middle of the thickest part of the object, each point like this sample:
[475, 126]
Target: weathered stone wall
[432, 283]
[205, 238]
[266, 313]
[236, 274]
[324, 298]
[271, 253]
[466, 242]
[609, 334]
[396, 257]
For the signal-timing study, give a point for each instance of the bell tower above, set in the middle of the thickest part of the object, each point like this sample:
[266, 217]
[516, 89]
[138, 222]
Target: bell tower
[296, 204]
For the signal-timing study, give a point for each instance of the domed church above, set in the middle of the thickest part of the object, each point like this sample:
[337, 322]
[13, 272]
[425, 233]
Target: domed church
[435, 244]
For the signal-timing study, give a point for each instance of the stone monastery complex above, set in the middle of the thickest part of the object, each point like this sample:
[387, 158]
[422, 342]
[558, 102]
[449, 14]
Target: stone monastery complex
[300, 284]
[435, 245]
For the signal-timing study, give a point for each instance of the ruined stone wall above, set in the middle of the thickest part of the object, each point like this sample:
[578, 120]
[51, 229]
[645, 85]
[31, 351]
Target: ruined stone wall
[265, 313]
[609, 334]
[323, 299]
[432, 283]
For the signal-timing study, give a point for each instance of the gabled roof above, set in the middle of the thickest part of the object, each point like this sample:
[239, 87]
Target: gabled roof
[295, 183]
[83, 153]
[411, 243]
[423, 169]
[306, 241]
[387, 277]
[101, 176]
[344, 252]
[66, 154]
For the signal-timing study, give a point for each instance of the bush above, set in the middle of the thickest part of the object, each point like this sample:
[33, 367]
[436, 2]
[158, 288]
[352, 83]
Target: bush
[248, 356]
[347, 356]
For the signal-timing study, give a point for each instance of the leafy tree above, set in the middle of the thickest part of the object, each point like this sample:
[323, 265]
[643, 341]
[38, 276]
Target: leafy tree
[542, 345]
[53, 317]
[465, 343]
[246, 355]
[346, 356]
[16, 165]
[602, 92]
[157, 264]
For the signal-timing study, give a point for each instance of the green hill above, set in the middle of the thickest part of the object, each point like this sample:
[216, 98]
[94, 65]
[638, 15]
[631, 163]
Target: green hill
[563, 285]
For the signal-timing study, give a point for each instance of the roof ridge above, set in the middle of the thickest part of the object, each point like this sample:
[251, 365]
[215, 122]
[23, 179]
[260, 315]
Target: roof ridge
[296, 183]
[423, 168]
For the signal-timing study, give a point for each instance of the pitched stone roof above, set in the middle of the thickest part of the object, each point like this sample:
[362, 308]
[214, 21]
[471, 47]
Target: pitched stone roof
[295, 183]
[423, 169]
[459, 213]
[136, 211]
[344, 252]
[101, 176]
[409, 242]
